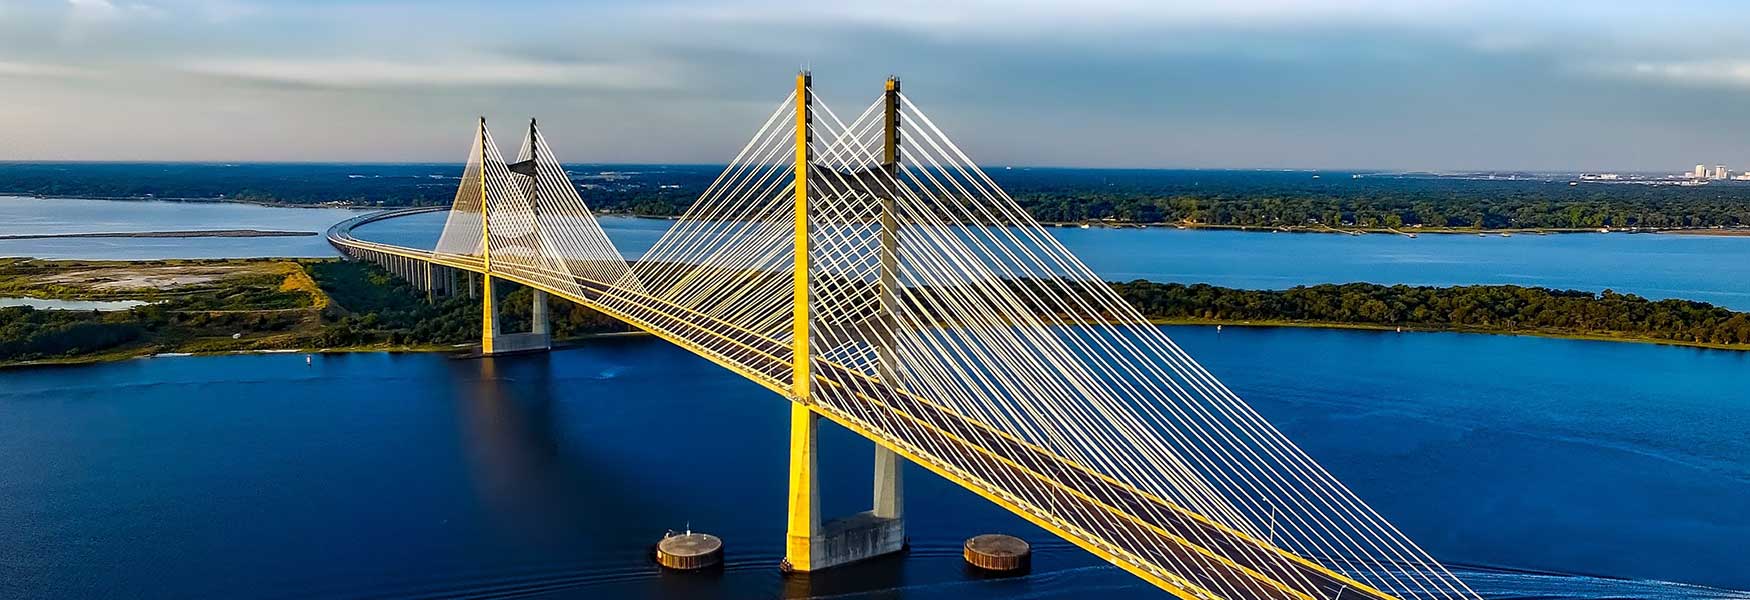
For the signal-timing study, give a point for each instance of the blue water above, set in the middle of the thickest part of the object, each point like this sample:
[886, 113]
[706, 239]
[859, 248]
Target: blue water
[392, 475]
[22, 216]
[1710, 269]
[370, 475]
[1706, 268]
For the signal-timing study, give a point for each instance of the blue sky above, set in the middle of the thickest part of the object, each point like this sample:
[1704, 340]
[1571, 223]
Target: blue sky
[1439, 84]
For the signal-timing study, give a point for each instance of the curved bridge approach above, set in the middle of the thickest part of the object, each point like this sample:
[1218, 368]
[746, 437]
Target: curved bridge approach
[865, 269]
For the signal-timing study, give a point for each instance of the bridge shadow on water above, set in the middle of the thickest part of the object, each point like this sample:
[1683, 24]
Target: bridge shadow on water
[523, 460]
[577, 469]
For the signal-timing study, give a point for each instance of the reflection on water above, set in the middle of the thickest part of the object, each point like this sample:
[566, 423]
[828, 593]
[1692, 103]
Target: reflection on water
[520, 461]
[878, 578]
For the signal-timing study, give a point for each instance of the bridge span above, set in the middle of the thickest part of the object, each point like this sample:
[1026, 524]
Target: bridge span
[867, 271]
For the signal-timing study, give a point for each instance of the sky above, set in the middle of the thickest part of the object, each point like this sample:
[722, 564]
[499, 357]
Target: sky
[1367, 84]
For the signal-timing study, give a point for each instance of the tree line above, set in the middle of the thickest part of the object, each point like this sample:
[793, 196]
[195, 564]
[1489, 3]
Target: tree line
[1494, 308]
[1212, 197]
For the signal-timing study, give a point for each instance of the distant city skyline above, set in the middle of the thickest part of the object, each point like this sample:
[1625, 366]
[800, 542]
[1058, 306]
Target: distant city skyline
[1346, 84]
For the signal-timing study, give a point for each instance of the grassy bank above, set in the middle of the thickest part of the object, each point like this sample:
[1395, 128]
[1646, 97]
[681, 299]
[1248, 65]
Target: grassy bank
[222, 306]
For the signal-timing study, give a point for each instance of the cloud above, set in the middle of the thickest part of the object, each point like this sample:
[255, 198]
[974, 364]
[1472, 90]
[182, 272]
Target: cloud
[1731, 74]
[367, 73]
[1006, 15]
[93, 9]
[38, 70]
[98, 11]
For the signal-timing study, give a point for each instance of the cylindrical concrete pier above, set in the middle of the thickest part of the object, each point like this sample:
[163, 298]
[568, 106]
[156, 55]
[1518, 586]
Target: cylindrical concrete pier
[689, 551]
[998, 553]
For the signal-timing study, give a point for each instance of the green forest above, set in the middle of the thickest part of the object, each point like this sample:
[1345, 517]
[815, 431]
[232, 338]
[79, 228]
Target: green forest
[1236, 198]
[379, 308]
[1487, 308]
[332, 304]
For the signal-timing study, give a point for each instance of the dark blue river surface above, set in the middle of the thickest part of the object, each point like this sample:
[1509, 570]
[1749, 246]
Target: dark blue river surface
[384, 475]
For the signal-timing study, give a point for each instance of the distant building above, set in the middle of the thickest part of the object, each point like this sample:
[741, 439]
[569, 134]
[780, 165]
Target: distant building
[1701, 171]
[1719, 171]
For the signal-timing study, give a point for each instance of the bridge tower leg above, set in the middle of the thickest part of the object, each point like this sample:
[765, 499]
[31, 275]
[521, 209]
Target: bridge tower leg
[539, 338]
[802, 540]
[811, 543]
[488, 318]
[489, 314]
[889, 484]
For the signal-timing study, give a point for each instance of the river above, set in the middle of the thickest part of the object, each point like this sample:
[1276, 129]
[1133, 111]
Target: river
[370, 475]
[1706, 268]
[33, 216]
[1693, 267]
[396, 475]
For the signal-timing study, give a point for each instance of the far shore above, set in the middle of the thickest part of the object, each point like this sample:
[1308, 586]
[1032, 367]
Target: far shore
[455, 350]
[472, 350]
[1403, 231]
[1741, 231]
[1561, 335]
[198, 233]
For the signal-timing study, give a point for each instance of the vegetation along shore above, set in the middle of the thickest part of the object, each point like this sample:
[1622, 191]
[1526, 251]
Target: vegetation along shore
[1473, 308]
[1260, 200]
[241, 305]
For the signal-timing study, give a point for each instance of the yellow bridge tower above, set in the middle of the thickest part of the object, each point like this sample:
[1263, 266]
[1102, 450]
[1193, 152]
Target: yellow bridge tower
[813, 544]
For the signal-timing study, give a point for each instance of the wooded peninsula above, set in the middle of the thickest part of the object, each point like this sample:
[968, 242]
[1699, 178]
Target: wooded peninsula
[217, 306]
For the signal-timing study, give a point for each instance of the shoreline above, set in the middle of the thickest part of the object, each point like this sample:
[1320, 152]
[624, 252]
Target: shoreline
[1559, 335]
[1742, 231]
[470, 350]
[195, 233]
[1411, 232]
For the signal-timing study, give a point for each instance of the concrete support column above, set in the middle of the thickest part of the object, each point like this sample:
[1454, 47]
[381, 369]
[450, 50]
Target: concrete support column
[473, 285]
[889, 485]
[538, 315]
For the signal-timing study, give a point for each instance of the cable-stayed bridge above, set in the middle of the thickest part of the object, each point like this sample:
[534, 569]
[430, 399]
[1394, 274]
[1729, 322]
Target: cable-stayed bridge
[866, 269]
